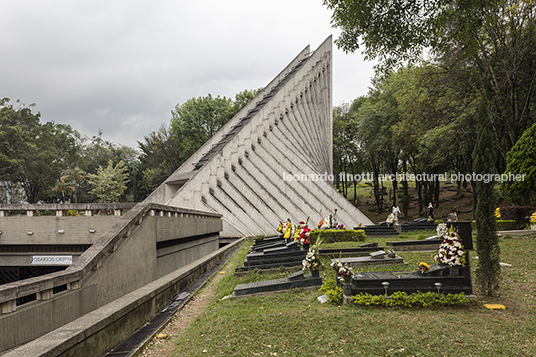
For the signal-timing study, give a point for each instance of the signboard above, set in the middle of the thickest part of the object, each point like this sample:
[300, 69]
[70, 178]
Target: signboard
[51, 260]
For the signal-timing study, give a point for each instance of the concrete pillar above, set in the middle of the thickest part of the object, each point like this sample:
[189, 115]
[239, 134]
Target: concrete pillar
[45, 294]
[9, 306]
[30, 213]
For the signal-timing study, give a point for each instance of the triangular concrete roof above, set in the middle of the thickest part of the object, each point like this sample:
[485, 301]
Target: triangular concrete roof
[242, 171]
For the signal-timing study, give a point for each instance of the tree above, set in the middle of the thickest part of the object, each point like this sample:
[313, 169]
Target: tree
[33, 154]
[373, 123]
[159, 157]
[62, 186]
[521, 160]
[487, 241]
[96, 152]
[494, 39]
[109, 183]
[196, 120]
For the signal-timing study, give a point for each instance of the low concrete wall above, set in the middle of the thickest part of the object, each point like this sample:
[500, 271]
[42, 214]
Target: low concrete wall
[95, 333]
[54, 230]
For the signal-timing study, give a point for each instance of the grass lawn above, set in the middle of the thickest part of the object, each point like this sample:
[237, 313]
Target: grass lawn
[294, 323]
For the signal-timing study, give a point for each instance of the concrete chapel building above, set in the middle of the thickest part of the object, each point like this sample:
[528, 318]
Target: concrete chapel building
[273, 160]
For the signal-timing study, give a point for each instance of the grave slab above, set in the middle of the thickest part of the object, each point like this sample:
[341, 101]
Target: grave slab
[367, 261]
[268, 286]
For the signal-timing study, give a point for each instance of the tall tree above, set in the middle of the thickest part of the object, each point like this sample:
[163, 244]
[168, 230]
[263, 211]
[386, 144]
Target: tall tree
[109, 183]
[487, 241]
[196, 120]
[159, 157]
[521, 160]
[33, 154]
[496, 39]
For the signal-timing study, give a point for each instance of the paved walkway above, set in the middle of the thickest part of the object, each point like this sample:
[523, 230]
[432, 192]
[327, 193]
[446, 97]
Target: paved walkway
[523, 232]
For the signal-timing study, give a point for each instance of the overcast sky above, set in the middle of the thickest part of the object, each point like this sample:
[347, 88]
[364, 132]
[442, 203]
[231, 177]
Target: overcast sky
[122, 66]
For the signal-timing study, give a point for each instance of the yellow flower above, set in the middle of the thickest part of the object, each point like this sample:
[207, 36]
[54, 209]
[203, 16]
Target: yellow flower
[498, 213]
[423, 264]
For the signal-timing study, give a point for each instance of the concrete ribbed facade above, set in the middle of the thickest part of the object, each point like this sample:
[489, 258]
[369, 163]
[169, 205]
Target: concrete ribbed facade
[284, 132]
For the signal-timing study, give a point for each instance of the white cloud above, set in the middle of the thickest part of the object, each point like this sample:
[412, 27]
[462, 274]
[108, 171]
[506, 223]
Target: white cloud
[122, 66]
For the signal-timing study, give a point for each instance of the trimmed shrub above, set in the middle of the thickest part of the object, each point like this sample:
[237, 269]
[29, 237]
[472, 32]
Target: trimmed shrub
[505, 225]
[418, 299]
[338, 235]
[516, 213]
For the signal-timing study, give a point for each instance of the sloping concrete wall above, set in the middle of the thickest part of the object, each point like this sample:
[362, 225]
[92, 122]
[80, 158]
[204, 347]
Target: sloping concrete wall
[286, 131]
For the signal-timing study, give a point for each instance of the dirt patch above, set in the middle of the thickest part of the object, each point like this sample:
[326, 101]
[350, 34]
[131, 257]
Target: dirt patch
[164, 347]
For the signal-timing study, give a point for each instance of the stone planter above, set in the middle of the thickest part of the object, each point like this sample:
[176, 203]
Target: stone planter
[347, 289]
[455, 270]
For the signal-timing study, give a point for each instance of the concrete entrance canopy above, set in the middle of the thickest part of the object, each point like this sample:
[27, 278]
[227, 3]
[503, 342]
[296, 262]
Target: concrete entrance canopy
[272, 160]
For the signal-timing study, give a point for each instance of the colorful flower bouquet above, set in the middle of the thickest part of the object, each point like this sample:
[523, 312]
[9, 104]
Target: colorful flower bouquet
[451, 251]
[423, 267]
[343, 271]
[312, 258]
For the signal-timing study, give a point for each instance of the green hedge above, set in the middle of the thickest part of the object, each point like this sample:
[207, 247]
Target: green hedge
[338, 235]
[504, 225]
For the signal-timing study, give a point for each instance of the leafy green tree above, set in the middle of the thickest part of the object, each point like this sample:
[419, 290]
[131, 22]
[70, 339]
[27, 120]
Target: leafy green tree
[490, 43]
[96, 152]
[487, 241]
[373, 123]
[159, 157]
[33, 154]
[109, 184]
[196, 120]
[521, 160]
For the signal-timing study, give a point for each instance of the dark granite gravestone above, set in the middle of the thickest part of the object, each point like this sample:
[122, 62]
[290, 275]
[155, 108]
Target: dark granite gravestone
[295, 280]
[437, 279]
[273, 254]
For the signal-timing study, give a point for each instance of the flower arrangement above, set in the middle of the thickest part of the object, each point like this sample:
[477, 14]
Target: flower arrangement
[533, 218]
[451, 251]
[328, 222]
[280, 228]
[312, 258]
[423, 267]
[287, 228]
[442, 230]
[297, 230]
[342, 271]
[304, 235]
[498, 213]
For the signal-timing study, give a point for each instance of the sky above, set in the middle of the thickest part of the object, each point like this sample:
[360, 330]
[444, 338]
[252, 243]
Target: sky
[121, 66]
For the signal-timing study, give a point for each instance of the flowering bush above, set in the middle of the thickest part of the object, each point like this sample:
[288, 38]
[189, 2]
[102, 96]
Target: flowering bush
[451, 251]
[342, 271]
